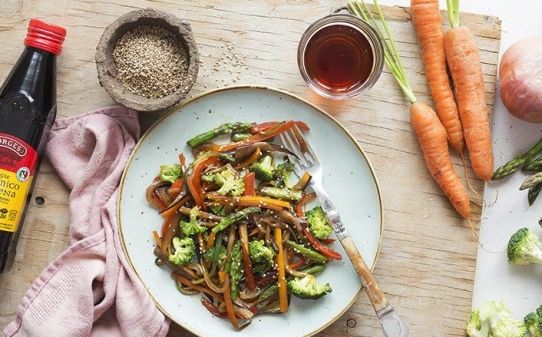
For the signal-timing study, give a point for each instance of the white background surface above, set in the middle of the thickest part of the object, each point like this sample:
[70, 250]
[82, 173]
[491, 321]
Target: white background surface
[519, 287]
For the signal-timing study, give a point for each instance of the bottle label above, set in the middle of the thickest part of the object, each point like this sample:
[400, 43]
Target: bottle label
[17, 165]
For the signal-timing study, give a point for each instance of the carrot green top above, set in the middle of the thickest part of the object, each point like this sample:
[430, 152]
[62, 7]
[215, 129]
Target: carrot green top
[453, 12]
[391, 54]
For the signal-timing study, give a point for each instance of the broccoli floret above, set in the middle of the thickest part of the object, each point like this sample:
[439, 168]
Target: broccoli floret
[263, 168]
[493, 319]
[283, 172]
[170, 173]
[185, 249]
[318, 224]
[533, 322]
[228, 180]
[261, 255]
[209, 253]
[192, 227]
[281, 193]
[218, 210]
[307, 287]
[524, 248]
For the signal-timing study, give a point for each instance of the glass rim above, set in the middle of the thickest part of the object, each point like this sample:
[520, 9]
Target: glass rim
[365, 29]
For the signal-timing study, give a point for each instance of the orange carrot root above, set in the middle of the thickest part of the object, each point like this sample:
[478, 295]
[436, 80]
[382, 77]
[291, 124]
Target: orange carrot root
[464, 62]
[427, 21]
[432, 139]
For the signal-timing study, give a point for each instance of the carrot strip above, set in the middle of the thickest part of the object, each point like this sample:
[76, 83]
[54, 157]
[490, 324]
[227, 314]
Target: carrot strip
[432, 139]
[466, 68]
[262, 127]
[427, 21]
[283, 290]
[169, 231]
[205, 290]
[249, 181]
[252, 158]
[182, 159]
[299, 206]
[227, 299]
[210, 240]
[262, 201]
[157, 239]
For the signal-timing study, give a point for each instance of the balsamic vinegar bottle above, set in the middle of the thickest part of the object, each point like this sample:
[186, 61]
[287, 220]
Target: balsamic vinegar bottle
[27, 111]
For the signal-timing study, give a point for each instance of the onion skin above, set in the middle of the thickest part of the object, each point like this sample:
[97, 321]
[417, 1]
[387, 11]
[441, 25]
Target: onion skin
[520, 75]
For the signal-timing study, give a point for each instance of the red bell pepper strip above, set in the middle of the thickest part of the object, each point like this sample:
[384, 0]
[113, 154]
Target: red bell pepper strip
[325, 250]
[260, 137]
[262, 127]
[193, 181]
[249, 184]
[249, 273]
[212, 308]
[158, 202]
[176, 187]
[297, 264]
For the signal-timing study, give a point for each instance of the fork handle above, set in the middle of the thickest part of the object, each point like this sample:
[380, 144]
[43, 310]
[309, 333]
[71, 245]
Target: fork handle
[376, 296]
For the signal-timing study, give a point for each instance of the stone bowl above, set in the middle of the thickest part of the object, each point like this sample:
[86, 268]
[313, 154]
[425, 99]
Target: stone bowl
[107, 70]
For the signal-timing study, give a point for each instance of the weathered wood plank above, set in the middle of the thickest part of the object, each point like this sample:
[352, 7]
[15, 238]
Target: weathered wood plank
[428, 255]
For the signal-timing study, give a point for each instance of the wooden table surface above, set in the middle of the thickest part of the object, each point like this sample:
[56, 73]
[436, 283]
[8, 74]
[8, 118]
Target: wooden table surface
[428, 255]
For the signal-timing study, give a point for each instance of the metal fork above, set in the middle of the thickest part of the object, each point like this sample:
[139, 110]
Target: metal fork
[305, 160]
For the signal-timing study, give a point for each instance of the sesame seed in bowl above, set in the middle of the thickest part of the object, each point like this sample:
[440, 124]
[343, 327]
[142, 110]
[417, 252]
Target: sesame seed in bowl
[147, 60]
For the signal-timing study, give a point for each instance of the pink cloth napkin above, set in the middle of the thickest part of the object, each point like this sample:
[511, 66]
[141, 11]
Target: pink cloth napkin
[90, 290]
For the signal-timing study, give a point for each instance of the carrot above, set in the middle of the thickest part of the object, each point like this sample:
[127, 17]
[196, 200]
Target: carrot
[427, 21]
[283, 288]
[432, 138]
[427, 127]
[466, 69]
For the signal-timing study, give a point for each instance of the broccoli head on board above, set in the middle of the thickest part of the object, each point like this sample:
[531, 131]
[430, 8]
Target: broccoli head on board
[493, 319]
[524, 248]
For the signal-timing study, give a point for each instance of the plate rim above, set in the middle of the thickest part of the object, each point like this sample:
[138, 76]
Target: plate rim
[178, 106]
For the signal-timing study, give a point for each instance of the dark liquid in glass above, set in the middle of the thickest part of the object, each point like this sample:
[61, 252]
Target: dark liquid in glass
[339, 57]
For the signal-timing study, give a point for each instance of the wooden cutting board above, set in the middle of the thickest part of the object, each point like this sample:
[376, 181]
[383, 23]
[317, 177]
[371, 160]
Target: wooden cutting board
[428, 255]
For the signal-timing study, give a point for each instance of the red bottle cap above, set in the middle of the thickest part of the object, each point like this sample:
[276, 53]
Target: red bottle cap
[45, 36]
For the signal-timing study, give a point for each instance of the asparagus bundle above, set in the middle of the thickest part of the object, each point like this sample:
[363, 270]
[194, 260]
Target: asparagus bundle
[531, 161]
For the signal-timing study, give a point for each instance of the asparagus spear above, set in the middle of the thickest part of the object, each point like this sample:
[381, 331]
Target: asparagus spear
[234, 217]
[223, 129]
[518, 161]
[534, 165]
[531, 181]
[307, 252]
[533, 193]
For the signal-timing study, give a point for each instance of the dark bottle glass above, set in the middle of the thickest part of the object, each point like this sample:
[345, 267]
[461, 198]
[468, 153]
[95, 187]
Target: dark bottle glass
[27, 111]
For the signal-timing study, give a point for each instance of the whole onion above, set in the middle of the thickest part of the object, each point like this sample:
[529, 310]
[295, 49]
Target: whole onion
[521, 79]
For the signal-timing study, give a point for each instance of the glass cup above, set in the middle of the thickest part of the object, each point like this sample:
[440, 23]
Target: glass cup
[340, 56]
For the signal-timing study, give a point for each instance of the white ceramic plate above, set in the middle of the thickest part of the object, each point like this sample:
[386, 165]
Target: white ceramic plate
[348, 177]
